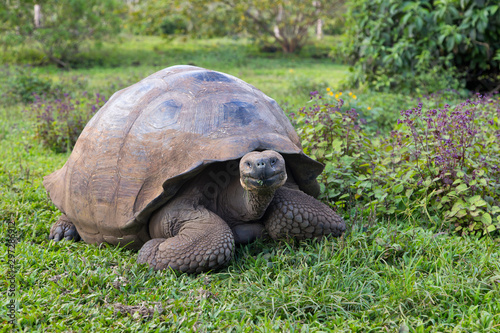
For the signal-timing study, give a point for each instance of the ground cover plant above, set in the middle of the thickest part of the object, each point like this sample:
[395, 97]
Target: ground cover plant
[388, 273]
[439, 164]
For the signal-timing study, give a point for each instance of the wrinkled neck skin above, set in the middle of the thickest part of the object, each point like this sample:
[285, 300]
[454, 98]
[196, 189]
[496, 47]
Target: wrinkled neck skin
[244, 205]
[257, 201]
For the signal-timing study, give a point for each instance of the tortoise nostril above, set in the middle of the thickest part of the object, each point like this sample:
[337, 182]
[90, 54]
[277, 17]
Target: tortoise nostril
[260, 164]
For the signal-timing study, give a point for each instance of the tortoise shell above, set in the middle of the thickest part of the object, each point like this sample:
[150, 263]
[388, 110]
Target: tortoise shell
[152, 137]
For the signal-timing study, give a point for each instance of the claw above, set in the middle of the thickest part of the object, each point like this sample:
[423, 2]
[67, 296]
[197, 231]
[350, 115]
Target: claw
[64, 229]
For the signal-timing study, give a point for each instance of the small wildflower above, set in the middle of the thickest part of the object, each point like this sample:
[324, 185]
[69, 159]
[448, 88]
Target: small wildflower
[330, 93]
[291, 70]
[350, 93]
[336, 96]
[340, 93]
[369, 108]
[354, 96]
[328, 89]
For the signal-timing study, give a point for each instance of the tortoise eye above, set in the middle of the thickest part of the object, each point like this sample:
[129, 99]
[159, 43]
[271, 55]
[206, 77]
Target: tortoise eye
[273, 161]
[248, 164]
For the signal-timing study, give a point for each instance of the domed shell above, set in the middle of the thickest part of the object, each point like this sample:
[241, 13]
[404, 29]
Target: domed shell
[150, 138]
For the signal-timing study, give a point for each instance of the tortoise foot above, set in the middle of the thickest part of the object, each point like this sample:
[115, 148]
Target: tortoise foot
[161, 253]
[298, 215]
[204, 241]
[64, 229]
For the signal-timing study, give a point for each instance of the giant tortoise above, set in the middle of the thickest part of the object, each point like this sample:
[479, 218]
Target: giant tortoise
[185, 164]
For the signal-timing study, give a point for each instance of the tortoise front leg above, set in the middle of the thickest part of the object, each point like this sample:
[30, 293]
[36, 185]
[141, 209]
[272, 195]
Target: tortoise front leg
[187, 239]
[292, 213]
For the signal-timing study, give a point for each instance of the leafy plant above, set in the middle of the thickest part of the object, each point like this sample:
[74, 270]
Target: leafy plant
[20, 85]
[423, 46]
[331, 133]
[455, 155]
[285, 22]
[442, 163]
[173, 24]
[59, 122]
[59, 28]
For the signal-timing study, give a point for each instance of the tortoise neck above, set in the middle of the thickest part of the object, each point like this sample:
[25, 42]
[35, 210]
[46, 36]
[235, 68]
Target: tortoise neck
[257, 202]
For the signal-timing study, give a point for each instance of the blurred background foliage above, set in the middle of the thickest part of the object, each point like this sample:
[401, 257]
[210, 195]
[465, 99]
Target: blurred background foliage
[59, 29]
[410, 46]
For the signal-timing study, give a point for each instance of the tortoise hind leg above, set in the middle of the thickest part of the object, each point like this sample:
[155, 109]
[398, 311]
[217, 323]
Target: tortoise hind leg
[292, 213]
[64, 229]
[187, 239]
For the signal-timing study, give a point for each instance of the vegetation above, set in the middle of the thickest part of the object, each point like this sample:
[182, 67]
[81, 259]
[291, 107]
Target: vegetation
[424, 46]
[58, 28]
[286, 22]
[274, 25]
[156, 17]
[416, 175]
[59, 122]
[439, 165]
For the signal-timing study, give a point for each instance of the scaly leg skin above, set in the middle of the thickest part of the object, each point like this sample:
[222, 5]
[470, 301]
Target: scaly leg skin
[64, 229]
[292, 213]
[189, 240]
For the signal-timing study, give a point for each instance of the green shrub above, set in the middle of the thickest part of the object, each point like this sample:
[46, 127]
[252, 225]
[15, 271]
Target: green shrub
[59, 122]
[173, 25]
[441, 165]
[64, 28]
[286, 23]
[20, 85]
[423, 46]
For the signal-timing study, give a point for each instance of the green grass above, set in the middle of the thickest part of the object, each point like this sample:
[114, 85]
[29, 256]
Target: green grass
[382, 276]
[286, 78]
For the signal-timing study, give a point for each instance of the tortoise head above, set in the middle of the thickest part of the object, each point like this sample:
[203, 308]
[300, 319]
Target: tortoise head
[262, 170]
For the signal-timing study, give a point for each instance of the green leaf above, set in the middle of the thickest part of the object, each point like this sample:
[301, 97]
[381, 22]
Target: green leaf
[475, 213]
[477, 201]
[486, 219]
[337, 145]
[456, 207]
[461, 188]
[398, 188]
[491, 228]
